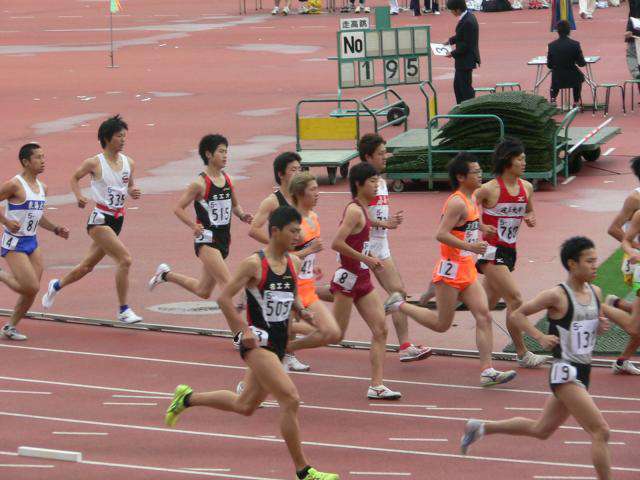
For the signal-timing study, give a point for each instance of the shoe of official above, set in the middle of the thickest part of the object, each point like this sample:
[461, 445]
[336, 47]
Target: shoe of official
[177, 405]
[393, 302]
[382, 393]
[303, 10]
[627, 368]
[285, 11]
[158, 277]
[531, 360]
[473, 431]
[413, 353]
[129, 316]
[10, 332]
[49, 297]
[292, 364]
[275, 11]
[357, 9]
[437, 12]
[491, 377]
[367, 10]
[424, 10]
[314, 474]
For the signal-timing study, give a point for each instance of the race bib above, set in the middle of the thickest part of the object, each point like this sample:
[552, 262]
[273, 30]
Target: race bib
[30, 224]
[583, 336]
[626, 268]
[366, 249]
[116, 197]
[261, 335]
[448, 269]
[220, 212]
[470, 236]
[96, 217]
[380, 213]
[306, 270]
[9, 242]
[508, 229]
[345, 279]
[205, 237]
[635, 268]
[489, 254]
[562, 372]
[277, 305]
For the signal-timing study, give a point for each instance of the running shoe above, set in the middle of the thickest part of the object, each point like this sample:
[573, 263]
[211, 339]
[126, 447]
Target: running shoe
[177, 405]
[627, 368]
[413, 353]
[393, 303]
[314, 474]
[424, 10]
[10, 332]
[367, 10]
[292, 364]
[473, 431]
[382, 393]
[304, 10]
[49, 297]
[491, 377]
[357, 9]
[129, 316]
[275, 11]
[285, 11]
[158, 277]
[436, 12]
[531, 360]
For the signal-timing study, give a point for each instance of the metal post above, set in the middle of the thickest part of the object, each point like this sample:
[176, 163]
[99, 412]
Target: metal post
[111, 38]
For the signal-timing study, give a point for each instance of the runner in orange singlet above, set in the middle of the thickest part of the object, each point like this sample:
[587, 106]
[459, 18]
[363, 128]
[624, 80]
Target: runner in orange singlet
[455, 275]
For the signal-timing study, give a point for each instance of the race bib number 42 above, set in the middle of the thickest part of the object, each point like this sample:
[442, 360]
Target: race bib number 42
[306, 270]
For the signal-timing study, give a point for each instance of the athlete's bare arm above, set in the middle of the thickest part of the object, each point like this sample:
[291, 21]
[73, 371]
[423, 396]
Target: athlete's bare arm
[257, 230]
[194, 192]
[89, 167]
[238, 210]
[629, 239]
[630, 206]
[530, 214]
[487, 195]
[8, 191]
[554, 302]
[58, 230]
[454, 215]
[353, 222]
[134, 192]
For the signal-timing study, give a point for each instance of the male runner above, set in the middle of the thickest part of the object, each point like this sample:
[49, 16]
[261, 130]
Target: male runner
[573, 309]
[455, 275]
[372, 149]
[269, 278]
[214, 200]
[506, 201]
[26, 197]
[351, 282]
[112, 180]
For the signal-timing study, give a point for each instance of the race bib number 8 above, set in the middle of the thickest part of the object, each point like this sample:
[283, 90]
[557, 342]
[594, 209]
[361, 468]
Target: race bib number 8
[508, 229]
[345, 279]
[583, 336]
[306, 270]
[448, 269]
[9, 242]
[562, 372]
[277, 305]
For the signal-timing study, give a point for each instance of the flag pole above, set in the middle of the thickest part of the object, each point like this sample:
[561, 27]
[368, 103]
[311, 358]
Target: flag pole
[111, 37]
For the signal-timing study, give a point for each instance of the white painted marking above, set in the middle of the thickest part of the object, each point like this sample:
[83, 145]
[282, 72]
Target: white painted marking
[150, 124]
[166, 15]
[22, 465]
[70, 16]
[574, 206]
[52, 208]
[267, 436]
[209, 469]
[80, 433]
[385, 474]
[147, 98]
[553, 477]
[25, 16]
[608, 181]
[317, 444]
[134, 404]
[313, 26]
[400, 405]
[27, 392]
[37, 452]
[399, 439]
[524, 409]
[164, 397]
[620, 411]
[133, 208]
[521, 23]
[569, 180]
[589, 443]
[609, 151]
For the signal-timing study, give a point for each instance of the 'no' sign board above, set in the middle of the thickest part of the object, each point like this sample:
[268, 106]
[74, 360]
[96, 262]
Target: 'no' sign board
[352, 44]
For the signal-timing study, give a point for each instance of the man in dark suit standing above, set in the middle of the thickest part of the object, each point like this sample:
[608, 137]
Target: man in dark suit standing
[563, 58]
[466, 53]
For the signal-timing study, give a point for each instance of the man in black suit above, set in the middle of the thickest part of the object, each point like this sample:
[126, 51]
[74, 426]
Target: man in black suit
[466, 53]
[563, 58]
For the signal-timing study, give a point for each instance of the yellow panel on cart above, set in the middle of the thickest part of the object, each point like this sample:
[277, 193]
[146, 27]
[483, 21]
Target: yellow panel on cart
[433, 111]
[328, 128]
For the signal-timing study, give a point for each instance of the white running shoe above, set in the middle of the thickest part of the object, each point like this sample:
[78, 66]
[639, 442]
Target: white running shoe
[11, 333]
[367, 10]
[491, 377]
[357, 10]
[413, 353]
[304, 10]
[275, 11]
[393, 302]
[531, 360]
[382, 393]
[292, 364]
[473, 431]
[49, 297]
[627, 368]
[129, 316]
[285, 11]
[158, 277]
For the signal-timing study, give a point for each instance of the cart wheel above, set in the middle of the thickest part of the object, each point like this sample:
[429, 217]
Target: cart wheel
[397, 186]
[396, 112]
[332, 174]
[575, 162]
[344, 170]
[591, 155]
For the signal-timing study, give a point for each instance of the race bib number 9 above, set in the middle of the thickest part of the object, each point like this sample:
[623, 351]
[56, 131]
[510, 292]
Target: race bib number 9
[220, 212]
[277, 305]
[563, 372]
[345, 279]
[306, 270]
[448, 269]
[508, 229]
[9, 242]
[583, 336]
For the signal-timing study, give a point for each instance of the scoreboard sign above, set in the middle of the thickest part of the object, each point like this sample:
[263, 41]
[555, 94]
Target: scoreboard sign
[393, 56]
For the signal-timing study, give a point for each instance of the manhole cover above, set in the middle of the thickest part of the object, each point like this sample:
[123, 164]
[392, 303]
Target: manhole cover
[186, 308]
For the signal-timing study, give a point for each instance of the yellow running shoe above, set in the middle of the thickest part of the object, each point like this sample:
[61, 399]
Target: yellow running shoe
[177, 406]
[314, 474]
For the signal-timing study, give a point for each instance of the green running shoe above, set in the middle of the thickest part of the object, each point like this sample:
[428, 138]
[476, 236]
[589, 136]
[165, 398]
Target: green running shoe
[314, 474]
[177, 406]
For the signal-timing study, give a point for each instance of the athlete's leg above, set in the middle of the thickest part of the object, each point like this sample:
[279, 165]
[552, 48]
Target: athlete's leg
[446, 299]
[324, 292]
[91, 259]
[214, 272]
[629, 323]
[298, 327]
[27, 270]
[10, 281]
[342, 311]
[474, 297]
[326, 329]
[389, 278]
[372, 311]
[579, 403]
[107, 239]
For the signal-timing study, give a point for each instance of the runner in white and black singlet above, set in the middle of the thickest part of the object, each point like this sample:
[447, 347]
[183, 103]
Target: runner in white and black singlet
[214, 200]
[26, 197]
[269, 278]
[112, 181]
[574, 312]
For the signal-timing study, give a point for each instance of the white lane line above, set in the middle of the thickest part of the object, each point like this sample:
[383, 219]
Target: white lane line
[25, 16]
[209, 469]
[69, 16]
[310, 374]
[80, 385]
[569, 180]
[135, 404]
[384, 474]
[589, 443]
[524, 409]
[620, 411]
[609, 151]
[553, 477]
[400, 405]
[22, 465]
[314, 444]
[26, 392]
[163, 397]
[80, 433]
[399, 439]
[522, 23]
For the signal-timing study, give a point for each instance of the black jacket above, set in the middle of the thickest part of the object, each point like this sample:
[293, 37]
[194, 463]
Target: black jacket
[466, 53]
[563, 56]
[634, 11]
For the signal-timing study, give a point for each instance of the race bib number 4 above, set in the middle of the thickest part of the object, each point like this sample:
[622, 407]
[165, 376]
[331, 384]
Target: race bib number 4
[563, 372]
[345, 279]
[9, 242]
[277, 305]
[448, 269]
[306, 270]
[583, 336]
[508, 229]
